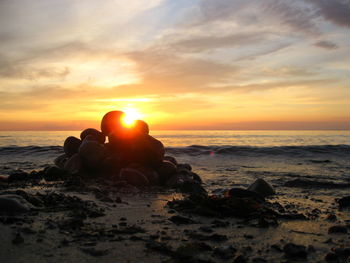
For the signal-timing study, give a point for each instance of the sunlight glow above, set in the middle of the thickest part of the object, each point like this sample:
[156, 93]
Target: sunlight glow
[131, 115]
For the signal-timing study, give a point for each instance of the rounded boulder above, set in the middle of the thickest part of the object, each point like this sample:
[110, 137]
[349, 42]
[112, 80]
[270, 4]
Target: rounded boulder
[71, 145]
[99, 136]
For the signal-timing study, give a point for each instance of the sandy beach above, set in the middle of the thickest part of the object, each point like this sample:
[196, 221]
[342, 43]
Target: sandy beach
[94, 220]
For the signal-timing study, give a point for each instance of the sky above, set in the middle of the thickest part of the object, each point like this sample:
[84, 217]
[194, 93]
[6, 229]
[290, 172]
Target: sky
[179, 64]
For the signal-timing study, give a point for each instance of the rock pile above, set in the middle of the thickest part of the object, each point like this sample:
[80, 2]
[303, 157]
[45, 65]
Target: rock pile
[130, 155]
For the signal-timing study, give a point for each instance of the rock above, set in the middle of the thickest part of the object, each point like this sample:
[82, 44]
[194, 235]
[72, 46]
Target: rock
[166, 170]
[344, 202]
[74, 165]
[150, 174]
[61, 160]
[193, 188]
[71, 145]
[111, 122]
[226, 252]
[331, 257]
[141, 127]
[170, 159]
[295, 251]
[240, 259]
[99, 136]
[133, 177]
[180, 220]
[185, 166]
[337, 230]
[147, 150]
[243, 193]
[14, 204]
[17, 175]
[53, 173]
[261, 187]
[18, 239]
[112, 163]
[92, 153]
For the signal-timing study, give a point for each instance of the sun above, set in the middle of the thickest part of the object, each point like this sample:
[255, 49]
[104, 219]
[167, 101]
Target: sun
[131, 115]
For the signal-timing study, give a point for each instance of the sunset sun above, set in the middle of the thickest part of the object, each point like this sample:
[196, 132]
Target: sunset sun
[131, 115]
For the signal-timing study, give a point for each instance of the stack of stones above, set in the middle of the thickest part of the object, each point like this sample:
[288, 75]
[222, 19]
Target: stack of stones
[130, 155]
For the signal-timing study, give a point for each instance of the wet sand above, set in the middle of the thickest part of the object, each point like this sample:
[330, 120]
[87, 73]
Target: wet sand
[110, 223]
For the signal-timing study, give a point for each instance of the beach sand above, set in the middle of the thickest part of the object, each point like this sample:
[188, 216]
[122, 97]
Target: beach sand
[111, 223]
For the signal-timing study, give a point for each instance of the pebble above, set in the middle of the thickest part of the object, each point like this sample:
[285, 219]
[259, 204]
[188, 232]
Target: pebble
[71, 145]
[97, 135]
[344, 202]
[133, 177]
[295, 251]
[337, 230]
[74, 164]
[261, 187]
[14, 204]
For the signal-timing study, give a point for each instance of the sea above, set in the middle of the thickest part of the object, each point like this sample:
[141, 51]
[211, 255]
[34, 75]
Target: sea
[223, 158]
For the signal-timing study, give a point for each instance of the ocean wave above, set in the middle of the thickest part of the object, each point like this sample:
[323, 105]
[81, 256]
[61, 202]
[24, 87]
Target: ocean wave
[254, 150]
[28, 150]
[205, 150]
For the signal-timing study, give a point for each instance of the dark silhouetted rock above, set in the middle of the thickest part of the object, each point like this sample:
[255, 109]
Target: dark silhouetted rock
[243, 193]
[344, 202]
[149, 172]
[295, 251]
[53, 173]
[92, 152]
[261, 187]
[61, 160]
[182, 220]
[133, 176]
[99, 136]
[17, 175]
[74, 165]
[166, 170]
[71, 145]
[14, 204]
[112, 122]
[337, 230]
[170, 159]
[141, 127]
[146, 150]
[185, 166]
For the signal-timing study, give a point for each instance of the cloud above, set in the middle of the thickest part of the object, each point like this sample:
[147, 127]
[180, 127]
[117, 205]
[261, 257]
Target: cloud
[326, 44]
[336, 11]
[204, 43]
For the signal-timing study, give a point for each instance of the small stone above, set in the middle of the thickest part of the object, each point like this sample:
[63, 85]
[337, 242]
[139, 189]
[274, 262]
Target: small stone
[14, 204]
[182, 220]
[240, 259]
[337, 230]
[133, 176]
[261, 187]
[92, 152]
[95, 252]
[17, 175]
[53, 173]
[97, 135]
[170, 159]
[184, 166]
[295, 251]
[225, 252]
[166, 170]
[74, 164]
[344, 202]
[18, 239]
[71, 145]
[61, 160]
[331, 257]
